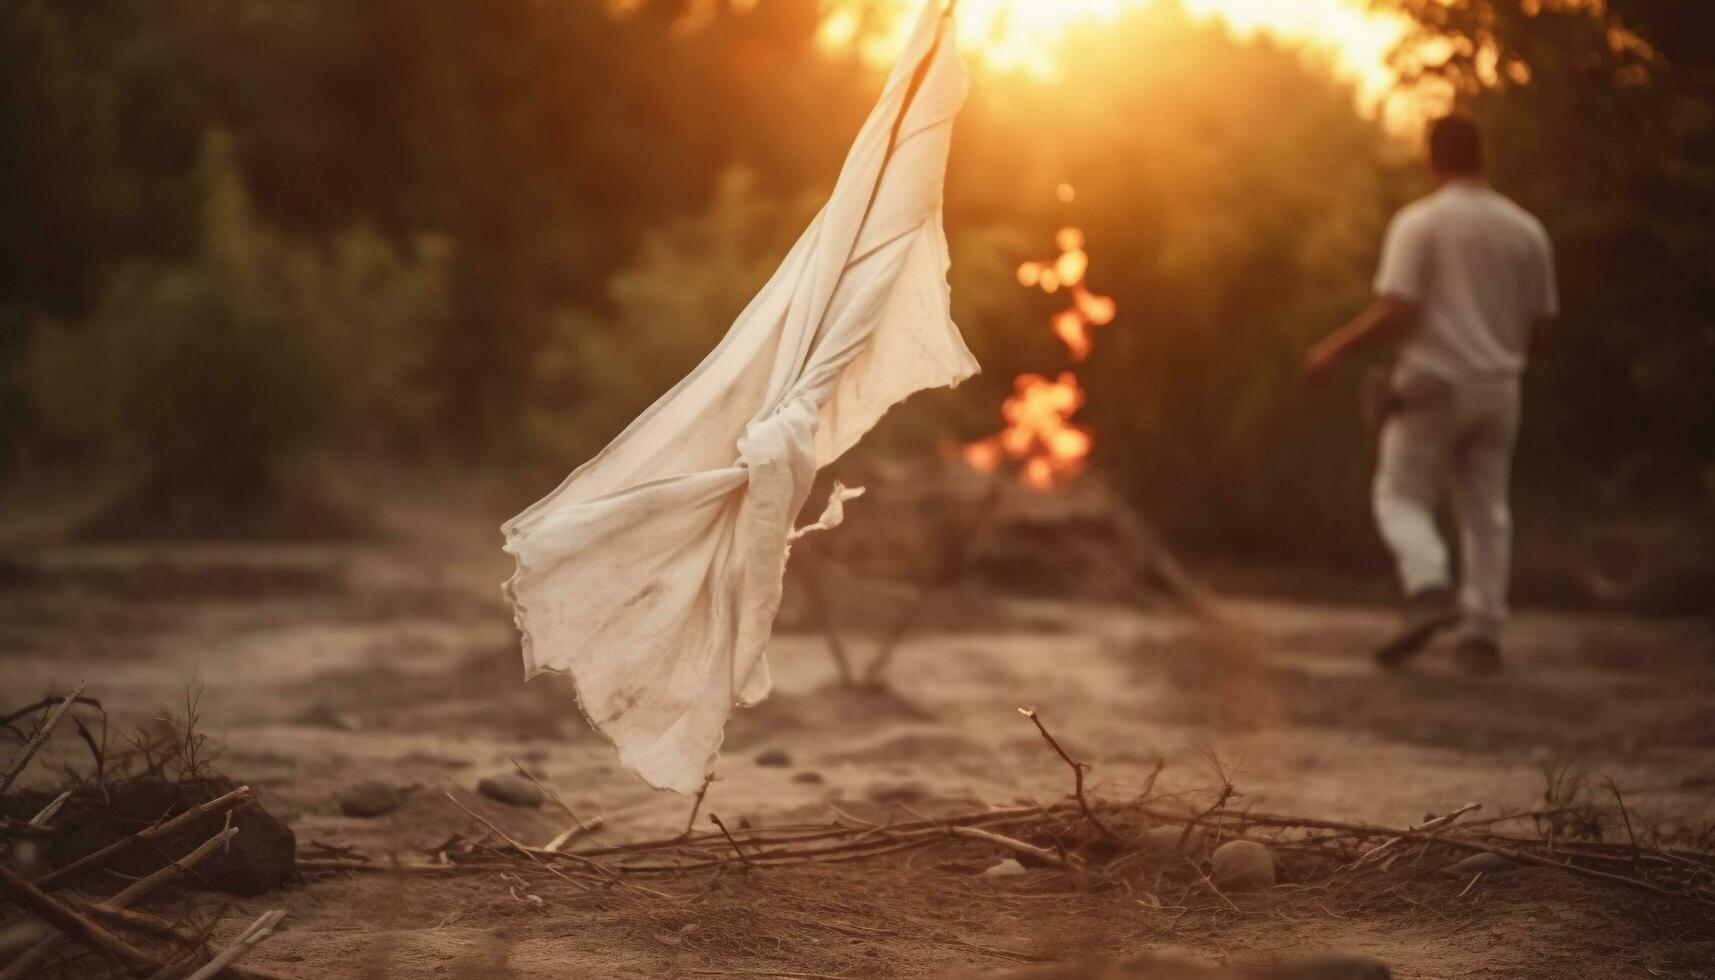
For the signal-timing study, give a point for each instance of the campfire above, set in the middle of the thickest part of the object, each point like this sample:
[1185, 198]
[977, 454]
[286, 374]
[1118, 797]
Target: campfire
[1039, 438]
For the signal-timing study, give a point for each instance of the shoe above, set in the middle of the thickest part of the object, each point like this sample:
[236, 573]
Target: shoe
[1426, 613]
[1478, 655]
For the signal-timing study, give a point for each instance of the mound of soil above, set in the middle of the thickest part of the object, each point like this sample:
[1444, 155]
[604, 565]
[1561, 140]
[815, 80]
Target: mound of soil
[940, 523]
[260, 858]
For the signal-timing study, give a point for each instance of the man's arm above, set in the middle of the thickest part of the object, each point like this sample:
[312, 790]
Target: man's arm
[1388, 318]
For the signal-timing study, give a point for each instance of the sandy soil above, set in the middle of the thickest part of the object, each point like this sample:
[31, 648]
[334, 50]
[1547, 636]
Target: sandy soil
[396, 661]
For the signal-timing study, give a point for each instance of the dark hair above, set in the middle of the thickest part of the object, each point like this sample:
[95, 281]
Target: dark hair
[1456, 145]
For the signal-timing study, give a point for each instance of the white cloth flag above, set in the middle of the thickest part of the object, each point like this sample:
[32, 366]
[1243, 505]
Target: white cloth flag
[653, 574]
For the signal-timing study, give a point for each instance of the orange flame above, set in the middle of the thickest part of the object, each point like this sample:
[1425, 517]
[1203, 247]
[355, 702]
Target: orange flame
[1088, 310]
[1039, 436]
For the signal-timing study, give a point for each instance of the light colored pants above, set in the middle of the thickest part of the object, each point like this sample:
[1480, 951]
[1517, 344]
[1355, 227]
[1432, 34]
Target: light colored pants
[1443, 436]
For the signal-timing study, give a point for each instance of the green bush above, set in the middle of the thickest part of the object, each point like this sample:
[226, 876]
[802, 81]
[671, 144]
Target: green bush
[212, 370]
[670, 307]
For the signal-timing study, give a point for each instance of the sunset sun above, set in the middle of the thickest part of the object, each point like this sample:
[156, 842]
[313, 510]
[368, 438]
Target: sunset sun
[1022, 36]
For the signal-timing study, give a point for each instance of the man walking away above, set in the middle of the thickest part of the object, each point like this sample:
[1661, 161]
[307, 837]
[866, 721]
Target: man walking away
[1466, 282]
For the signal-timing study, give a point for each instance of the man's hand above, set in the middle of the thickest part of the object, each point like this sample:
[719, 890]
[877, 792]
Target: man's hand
[1319, 363]
[1388, 318]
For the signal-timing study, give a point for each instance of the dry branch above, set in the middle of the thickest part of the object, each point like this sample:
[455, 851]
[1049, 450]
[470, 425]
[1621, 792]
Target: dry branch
[96, 860]
[1662, 873]
[1518, 855]
[520, 848]
[40, 820]
[572, 833]
[37, 738]
[64, 919]
[1077, 774]
[555, 797]
[1443, 821]
[137, 890]
[253, 934]
[1017, 846]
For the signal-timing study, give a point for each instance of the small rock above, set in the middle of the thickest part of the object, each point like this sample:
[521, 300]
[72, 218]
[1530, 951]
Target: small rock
[774, 759]
[369, 799]
[511, 789]
[886, 793]
[1484, 863]
[1007, 868]
[1165, 840]
[809, 776]
[1242, 864]
[261, 857]
[324, 715]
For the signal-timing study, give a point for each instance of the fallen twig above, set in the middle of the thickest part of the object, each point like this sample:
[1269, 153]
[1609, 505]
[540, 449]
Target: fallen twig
[1077, 774]
[716, 820]
[37, 738]
[94, 861]
[572, 833]
[1017, 846]
[555, 797]
[62, 917]
[48, 812]
[400, 867]
[38, 954]
[253, 934]
[1513, 854]
[1438, 823]
[520, 848]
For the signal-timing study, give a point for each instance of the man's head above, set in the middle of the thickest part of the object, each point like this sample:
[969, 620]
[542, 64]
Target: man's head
[1455, 148]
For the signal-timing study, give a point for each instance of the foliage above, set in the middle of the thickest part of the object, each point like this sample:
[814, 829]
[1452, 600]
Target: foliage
[210, 370]
[671, 306]
[1602, 121]
[208, 311]
[1234, 216]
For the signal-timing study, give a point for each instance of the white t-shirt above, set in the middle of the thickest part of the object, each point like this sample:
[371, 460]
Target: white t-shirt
[1480, 270]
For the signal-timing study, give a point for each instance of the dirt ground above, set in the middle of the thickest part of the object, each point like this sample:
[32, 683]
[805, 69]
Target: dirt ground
[395, 660]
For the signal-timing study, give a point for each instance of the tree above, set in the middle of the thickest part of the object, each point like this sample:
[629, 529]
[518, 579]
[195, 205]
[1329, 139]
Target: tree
[212, 372]
[1603, 123]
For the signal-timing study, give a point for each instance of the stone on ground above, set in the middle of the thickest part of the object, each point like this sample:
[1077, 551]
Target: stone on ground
[774, 758]
[369, 799]
[511, 789]
[1242, 864]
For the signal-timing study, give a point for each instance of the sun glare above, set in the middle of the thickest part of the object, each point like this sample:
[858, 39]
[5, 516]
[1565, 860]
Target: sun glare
[1023, 35]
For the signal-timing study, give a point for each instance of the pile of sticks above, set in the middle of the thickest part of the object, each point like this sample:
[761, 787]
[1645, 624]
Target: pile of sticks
[1096, 841]
[137, 943]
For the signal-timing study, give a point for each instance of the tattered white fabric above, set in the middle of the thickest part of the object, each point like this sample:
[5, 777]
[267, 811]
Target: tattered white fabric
[653, 574]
